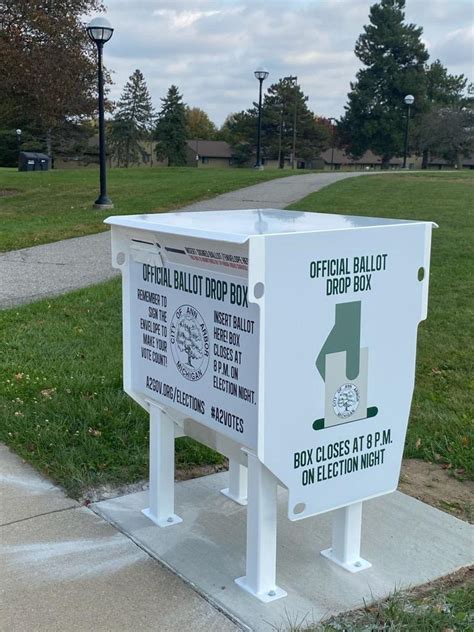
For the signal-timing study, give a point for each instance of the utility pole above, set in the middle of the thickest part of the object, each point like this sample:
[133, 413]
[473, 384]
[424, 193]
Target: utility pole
[294, 81]
[280, 166]
[333, 121]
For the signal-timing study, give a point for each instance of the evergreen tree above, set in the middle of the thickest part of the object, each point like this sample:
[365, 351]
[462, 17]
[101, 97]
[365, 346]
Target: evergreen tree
[133, 121]
[199, 125]
[280, 104]
[239, 127]
[170, 131]
[443, 88]
[394, 57]
[285, 105]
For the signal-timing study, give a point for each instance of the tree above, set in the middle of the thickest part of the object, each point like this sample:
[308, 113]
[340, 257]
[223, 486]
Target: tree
[278, 118]
[441, 87]
[447, 132]
[394, 57]
[284, 105]
[239, 127]
[444, 128]
[48, 72]
[189, 340]
[133, 121]
[199, 125]
[170, 131]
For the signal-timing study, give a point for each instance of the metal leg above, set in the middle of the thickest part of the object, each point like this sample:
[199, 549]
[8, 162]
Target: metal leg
[237, 490]
[161, 492]
[346, 531]
[259, 580]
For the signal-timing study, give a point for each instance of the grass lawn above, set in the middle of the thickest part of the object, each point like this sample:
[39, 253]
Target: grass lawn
[61, 392]
[432, 609]
[64, 408]
[37, 208]
[440, 427]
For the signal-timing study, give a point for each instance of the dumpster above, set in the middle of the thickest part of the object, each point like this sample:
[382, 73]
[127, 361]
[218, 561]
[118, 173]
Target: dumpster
[286, 341]
[33, 161]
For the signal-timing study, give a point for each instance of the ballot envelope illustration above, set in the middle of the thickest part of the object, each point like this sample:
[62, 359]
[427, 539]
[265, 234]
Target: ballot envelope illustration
[343, 365]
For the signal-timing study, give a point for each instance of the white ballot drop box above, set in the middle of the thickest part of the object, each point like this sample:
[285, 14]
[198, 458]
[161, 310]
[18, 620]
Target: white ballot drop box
[284, 340]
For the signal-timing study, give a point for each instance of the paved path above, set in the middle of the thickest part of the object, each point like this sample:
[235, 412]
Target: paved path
[32, 273]
[65, 568]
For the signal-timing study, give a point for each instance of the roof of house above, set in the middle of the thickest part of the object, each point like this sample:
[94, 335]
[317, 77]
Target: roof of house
[368, 158]
[467, 161]
[210, 148]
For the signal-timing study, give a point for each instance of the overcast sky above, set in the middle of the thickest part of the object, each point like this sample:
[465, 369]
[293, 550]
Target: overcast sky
[210, 48]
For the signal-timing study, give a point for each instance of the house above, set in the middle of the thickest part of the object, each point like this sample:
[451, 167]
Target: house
[336, 159]
[70, 158]
[467, 162]
[208, 153]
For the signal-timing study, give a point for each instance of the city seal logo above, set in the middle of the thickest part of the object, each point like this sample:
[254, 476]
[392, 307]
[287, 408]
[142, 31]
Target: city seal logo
[189, 340]
[346, 400]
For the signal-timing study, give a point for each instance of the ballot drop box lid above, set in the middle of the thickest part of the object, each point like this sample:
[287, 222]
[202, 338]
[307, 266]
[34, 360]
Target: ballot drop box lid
[290, 335]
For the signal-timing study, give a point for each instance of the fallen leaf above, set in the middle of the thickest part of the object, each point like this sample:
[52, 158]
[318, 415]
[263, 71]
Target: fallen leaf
[94, 432]
[19, 376]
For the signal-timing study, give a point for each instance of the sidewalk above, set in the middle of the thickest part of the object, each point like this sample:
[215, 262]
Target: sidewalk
[32, 273]
[65, 568]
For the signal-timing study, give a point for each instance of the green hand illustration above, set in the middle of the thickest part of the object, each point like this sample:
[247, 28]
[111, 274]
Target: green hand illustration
[344, 336]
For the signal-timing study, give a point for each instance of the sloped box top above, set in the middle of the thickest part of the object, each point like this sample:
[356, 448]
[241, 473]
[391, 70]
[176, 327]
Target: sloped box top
[238, 226]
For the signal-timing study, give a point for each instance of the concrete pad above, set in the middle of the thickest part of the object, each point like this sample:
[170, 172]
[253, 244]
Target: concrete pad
[407, 542]
[73, 571]
[24, 493]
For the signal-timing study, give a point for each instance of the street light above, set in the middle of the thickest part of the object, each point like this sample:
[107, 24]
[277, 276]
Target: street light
[294, 81]
[100, 31]
[409, 101]
[261, 75]
[332, 121]
[18, 144]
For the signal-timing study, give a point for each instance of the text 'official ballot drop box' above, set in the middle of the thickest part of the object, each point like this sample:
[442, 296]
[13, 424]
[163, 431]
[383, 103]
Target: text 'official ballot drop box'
[287, 342]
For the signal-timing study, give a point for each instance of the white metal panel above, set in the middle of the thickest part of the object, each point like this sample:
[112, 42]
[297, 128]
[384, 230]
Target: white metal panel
[193, 345]
[238, 226]
[337, 465]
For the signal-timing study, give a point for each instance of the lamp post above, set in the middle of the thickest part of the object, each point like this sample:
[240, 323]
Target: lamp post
[332, 121]
[261, 75]
[280, 162]
[18, 144]
[100, 31]
[408, 100]
[294, 81]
